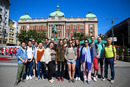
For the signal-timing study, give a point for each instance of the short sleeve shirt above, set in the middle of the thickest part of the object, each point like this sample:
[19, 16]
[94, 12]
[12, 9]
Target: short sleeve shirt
[100, 48]
[95, 47]
[109, 51]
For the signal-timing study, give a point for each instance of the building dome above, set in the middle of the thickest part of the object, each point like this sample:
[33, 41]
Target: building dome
[57, 13]
[90, 15]
[26, 16]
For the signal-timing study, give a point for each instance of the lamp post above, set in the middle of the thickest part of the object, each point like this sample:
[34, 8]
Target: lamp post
[112, 29]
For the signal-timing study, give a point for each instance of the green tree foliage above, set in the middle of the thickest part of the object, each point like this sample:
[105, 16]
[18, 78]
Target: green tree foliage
[28, 35]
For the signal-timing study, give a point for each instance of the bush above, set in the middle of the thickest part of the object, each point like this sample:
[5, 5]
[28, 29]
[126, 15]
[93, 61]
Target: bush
[126, 51]
[120, 51]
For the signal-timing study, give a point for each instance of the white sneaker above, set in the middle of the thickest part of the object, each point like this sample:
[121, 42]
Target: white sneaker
[94, 79]
[33, 76]
[76, 78]
[30, 77]
[42, 78]
[112, 81]
[79, 79]
[96, 76]
[27, 78]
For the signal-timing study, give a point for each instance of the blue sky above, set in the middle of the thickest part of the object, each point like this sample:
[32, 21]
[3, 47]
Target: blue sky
[101, 8]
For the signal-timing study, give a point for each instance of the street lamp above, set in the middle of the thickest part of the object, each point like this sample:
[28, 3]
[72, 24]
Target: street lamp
[112, 29]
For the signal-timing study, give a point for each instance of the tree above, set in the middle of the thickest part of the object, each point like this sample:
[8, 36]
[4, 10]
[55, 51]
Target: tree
[28, 35]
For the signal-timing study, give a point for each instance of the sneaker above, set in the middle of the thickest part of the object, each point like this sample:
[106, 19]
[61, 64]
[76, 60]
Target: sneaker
[112, 81]
[33, 76]
[94, 79]
[103, 79]
[22, 80]
[30, 77]
[62, 79]
[27, 78]
[76, 78]
[89, 82]
[38, 78]
[84, 82]
[79, 79]
[73, 80]
[96, 76]
[69, 80]
[42, 78]
[58, 78]
[16, 83]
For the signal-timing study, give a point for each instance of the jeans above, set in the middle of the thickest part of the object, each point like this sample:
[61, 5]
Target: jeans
[40, 64]
[71, 62]
[29, 67]
[77, 68]
[109, 61]
[60, 69]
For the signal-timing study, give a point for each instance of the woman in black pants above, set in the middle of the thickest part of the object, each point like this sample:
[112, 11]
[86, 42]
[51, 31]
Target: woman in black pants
[48, 60]
[60, 60]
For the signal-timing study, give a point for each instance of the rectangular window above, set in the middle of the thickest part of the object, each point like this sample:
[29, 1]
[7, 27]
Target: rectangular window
[75, 26]
[58, 34]
[38, 28]
[68, 26]
[23, 27]
[4, 42]
[68, 34]
[81, 26]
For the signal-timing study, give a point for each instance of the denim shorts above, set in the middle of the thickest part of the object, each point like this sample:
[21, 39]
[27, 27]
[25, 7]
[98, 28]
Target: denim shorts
[71, 62]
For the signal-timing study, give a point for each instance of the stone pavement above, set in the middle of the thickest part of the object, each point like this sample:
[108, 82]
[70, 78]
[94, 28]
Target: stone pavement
[8, 70]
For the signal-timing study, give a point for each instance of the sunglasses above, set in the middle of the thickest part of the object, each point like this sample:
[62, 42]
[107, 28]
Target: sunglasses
[70, 43]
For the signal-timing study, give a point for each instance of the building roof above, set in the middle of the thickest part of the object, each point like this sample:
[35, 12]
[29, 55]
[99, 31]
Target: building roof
[26, 16]
[57, 13]
[90, 15]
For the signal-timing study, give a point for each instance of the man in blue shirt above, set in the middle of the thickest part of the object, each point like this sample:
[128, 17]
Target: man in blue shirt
[100, 60]
[22, 60]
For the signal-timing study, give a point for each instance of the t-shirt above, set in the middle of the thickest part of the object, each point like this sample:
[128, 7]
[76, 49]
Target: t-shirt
[109, 51]
[100, 48]
[29, 52]
[95, 47]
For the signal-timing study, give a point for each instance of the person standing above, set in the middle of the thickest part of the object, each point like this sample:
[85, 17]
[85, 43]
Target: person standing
[22, 60]
[48, 60]
[60, 51]
[66, 68]
[46, 43]
[71, 56]
[38, 55]
[73, 40]
[30, 54]
[109, 54]
[100, 59]
[86, 61]
[77, 68]
[95, 55]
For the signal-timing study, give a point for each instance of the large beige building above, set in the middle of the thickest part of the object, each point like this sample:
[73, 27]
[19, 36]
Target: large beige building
[13, 29]
[65, 26]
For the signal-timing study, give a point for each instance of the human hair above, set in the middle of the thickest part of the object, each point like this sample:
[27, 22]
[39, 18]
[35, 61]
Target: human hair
[99, 37]
[60, 46]
[42, 46]
[46, 38]
[23, 42]
[69, 44]
[76, 43]
[92, 36]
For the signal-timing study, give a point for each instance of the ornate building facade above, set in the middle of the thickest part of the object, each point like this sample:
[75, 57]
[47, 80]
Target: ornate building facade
[65, 26]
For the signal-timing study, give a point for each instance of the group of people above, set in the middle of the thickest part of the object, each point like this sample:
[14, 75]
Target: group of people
[43, 60]
[8, 51]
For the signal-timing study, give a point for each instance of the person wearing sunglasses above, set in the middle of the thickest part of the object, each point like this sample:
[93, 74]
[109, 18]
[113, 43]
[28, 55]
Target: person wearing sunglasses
[86, 61]
[71, 56]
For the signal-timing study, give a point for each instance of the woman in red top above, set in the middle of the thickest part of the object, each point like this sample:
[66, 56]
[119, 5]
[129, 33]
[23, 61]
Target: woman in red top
[38, 56]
